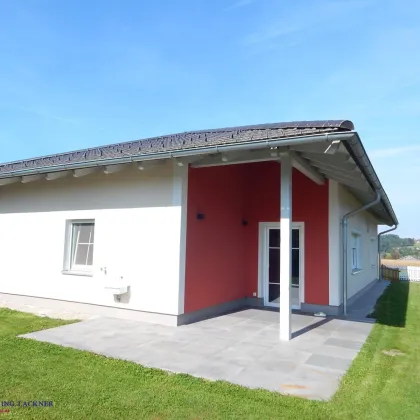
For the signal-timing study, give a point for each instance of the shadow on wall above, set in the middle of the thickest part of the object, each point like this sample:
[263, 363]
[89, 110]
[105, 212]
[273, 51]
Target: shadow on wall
[129, 188]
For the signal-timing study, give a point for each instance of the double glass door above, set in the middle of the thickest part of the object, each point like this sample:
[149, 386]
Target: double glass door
[272, 275]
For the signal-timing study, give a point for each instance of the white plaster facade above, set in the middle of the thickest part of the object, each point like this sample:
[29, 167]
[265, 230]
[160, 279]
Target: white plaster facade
[138, 236]
[364, 224]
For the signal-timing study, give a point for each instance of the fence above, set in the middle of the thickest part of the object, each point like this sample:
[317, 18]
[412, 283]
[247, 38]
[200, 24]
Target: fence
[405, 273]
[410, 273]
[389, 273]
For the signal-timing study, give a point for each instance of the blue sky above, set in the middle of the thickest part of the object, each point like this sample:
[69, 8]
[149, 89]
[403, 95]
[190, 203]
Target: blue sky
[80, 73]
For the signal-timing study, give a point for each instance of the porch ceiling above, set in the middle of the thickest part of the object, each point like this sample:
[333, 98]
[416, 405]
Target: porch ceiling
[313, 161]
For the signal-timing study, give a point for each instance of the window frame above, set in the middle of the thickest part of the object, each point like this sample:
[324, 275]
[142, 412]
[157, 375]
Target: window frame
[69, 250]
[356, 251]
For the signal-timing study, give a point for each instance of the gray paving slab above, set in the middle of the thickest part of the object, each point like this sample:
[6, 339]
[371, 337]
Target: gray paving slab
[254, 325]
[256, 377]
[344, 342]
[268, 337]
[284, 353]
[216, 370]
[357, 327]
[222, 322]
[175, 363]
[243, 353]
[279, 365]
[306, 342]
[335, 351]
[242, 347]
[216, 342]
[267, 316]
[305, 372]
[329, 362]
[246, 313]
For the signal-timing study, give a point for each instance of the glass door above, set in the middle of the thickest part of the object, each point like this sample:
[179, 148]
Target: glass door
[273, 275]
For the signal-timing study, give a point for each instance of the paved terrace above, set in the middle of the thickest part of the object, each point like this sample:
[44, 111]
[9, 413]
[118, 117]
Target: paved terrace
[241, 347]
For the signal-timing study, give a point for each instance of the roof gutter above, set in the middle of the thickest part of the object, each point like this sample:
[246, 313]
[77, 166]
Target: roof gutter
[345, 242]
[260, 144]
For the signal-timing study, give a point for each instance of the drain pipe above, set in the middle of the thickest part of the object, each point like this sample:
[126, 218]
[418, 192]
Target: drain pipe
[379, 247]
[345, 256]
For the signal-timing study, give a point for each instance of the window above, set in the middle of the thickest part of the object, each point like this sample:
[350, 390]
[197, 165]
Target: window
[79, 246]
[355, 252]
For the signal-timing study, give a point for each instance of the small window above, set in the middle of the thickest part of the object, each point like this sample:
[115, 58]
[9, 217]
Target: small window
[355, 252]
[79, 246]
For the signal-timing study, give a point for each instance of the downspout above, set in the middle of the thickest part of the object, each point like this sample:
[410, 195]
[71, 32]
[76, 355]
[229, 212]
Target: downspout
[379, 247]
[345, 256]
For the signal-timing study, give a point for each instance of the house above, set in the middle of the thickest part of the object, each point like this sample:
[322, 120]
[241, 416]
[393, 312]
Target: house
[176, 228]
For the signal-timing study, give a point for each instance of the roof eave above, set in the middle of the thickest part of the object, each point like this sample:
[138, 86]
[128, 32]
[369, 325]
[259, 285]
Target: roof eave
[274, 142]
[350, 139]
[357, 151]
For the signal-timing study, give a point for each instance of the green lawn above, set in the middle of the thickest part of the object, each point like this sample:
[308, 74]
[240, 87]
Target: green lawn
[86, 386]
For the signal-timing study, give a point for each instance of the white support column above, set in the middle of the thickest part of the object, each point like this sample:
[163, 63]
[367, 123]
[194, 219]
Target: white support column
[285, 248]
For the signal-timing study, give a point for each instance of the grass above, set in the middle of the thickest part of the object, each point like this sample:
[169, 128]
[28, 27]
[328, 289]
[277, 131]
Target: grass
[87, 386]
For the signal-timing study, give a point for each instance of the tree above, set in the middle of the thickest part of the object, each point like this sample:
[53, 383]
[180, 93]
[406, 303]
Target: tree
[389, 241]
[394, 241]
[395, 254]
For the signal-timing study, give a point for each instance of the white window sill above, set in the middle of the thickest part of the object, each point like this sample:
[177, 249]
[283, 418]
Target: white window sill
[77, 273]
[356, 271]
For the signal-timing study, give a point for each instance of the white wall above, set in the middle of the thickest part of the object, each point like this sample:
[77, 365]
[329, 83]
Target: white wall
[137, 234]
[364, 224]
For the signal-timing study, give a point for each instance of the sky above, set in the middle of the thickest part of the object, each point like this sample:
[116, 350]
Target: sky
[83, 73]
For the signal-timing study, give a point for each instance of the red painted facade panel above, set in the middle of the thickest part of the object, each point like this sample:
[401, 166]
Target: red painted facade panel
[214, 254]
[222, 254]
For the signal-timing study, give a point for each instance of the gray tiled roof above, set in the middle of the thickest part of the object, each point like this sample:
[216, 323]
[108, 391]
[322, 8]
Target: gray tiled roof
[181, 141]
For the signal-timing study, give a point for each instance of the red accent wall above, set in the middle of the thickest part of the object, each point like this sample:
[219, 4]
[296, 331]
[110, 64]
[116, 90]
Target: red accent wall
[214, 271]
[222, 254]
